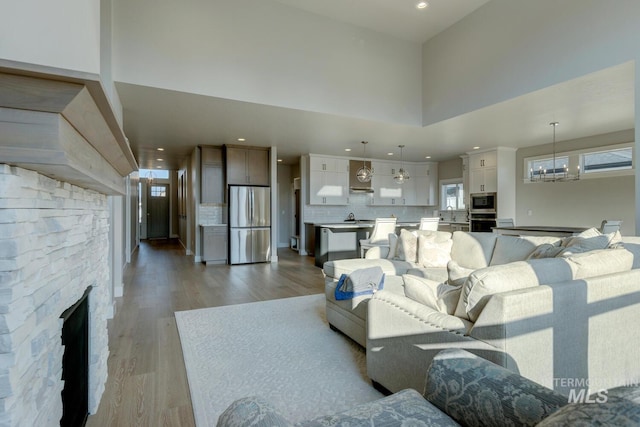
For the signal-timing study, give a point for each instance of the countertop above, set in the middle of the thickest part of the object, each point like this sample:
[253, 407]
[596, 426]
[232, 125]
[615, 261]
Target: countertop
[212, 225]
[349, 224]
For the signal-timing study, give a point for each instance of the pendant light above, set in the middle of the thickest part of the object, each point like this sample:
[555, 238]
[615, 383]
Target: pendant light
[364, 174]
[542, 175]
[402, 174]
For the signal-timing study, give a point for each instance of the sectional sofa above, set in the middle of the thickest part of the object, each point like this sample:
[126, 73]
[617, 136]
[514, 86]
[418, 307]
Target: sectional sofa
[558, 311]
[463, 389]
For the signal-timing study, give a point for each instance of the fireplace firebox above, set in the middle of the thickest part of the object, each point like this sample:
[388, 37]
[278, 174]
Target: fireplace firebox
[75, 363]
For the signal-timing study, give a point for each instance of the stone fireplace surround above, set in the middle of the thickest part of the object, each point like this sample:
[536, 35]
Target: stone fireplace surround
[54, 242]
[63, 155]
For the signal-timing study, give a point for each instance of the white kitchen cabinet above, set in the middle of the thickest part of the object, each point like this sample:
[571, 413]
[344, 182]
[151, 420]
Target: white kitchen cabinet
[419, 190]
[425, 181]
[483, 173]
[328, 180]
[484, 180]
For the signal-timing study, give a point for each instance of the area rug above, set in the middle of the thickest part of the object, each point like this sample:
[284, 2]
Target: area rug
[281, 350]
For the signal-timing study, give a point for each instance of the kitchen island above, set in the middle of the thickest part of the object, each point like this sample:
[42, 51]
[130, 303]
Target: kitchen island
[539, 230]
[341, 240]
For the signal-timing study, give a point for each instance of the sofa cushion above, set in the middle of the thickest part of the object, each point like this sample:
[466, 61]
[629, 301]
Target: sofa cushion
[339, 267]
[439, 296]
[456, 275]
[432, 253]
[600, 262]
[483, 283]
[473, 249]
[404, 408]
[438, 274]
[518, 248]
[546, 250]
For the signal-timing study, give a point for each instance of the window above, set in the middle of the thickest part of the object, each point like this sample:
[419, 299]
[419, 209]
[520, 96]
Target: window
[541, 167]
[156, 173]
[158, 191]
[610, 160]
[452, 196]
[597, 162]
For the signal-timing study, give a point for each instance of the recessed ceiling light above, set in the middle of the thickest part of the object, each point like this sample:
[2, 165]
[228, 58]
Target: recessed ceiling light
[347, 149]
[476, 148]
[389, 154]
[427, 157]
[279, 160]
[160, 149]
[422, 5]
[160, 160]
[241, 139]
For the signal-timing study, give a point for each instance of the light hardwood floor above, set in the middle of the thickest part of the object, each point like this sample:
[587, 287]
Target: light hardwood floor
[147, 383]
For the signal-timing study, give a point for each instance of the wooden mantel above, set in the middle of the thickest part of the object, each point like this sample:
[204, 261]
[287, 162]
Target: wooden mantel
[61, 124]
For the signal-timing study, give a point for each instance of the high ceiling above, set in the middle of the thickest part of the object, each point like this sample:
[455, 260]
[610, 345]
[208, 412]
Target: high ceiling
[594, 104]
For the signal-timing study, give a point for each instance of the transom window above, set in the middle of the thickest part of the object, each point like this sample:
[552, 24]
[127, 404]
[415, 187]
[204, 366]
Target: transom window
[609, 160]
[596, 162]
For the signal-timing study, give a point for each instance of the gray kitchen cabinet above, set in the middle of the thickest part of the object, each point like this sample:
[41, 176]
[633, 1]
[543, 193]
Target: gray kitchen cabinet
[247, 165]
[212, 179]
[214, 244]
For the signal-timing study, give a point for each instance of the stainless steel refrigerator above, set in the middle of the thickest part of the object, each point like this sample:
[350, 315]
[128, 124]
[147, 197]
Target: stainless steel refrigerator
[249, 224]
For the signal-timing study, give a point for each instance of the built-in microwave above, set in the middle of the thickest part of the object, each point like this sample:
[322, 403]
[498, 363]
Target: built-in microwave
[483, 202]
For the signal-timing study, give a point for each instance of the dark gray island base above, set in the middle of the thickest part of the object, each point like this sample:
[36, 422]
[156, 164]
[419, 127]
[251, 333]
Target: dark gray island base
[342, 240]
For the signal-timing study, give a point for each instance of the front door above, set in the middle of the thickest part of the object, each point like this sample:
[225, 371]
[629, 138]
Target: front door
[158, 211]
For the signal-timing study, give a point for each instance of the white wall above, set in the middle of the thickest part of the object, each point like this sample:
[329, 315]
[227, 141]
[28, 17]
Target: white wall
[268, 53]
[62, 34]
[582, 203]
[508, 48]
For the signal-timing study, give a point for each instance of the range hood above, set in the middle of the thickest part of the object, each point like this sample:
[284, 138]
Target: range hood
[356, 186]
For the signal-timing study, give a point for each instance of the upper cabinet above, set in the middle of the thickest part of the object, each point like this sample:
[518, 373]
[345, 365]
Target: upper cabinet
[212, 177]
[328, 180]
[483, 177]
[247, 166]
[419, 190]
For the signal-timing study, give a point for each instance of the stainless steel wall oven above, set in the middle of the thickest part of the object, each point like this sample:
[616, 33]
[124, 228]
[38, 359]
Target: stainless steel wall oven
[483, 211]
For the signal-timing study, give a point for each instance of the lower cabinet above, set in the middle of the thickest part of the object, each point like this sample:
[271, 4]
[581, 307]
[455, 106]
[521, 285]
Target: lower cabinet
[214, 244]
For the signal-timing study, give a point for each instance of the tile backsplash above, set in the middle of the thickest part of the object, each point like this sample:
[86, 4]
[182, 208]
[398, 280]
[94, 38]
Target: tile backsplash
[361, 210]
[212, 213]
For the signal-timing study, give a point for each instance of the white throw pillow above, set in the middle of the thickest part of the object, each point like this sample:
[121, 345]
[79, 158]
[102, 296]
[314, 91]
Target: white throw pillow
[393, 245]
[433, 254]
[438, 296]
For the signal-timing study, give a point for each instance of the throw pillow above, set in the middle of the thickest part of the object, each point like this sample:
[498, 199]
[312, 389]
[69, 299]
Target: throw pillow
[433, 254]
[457, 274]
[438, 296]
[393, 245]
[546, 250]
[407, 249]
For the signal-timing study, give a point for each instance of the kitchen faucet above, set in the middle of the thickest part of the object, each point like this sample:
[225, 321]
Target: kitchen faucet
[452, 215]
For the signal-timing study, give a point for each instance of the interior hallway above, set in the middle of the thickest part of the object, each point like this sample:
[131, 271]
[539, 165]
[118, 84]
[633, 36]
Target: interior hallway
[147, 383]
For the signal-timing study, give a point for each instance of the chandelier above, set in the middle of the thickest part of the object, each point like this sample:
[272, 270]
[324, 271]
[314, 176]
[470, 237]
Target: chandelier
[402, 174]
[364, 174]
[150, 177]
[555, 174]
